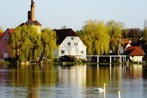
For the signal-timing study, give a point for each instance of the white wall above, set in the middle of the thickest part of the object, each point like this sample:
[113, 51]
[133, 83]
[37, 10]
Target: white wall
[136, 58]
[72, 45]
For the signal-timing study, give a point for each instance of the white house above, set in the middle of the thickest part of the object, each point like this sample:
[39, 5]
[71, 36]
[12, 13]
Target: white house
[70, 44]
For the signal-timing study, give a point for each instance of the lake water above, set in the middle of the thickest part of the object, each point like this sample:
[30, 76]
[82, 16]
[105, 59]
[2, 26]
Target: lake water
[78, 81]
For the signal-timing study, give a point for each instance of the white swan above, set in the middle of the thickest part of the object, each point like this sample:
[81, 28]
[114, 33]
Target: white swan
[101, 89]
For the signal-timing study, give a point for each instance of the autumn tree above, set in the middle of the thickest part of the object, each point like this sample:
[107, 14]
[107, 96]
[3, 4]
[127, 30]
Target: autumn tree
[96, 38]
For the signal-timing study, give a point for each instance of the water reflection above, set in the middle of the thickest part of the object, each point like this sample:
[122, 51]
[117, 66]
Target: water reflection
[78, 81]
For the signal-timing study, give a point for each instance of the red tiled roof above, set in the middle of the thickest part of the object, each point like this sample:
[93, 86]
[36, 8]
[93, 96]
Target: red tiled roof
[11, 30]
[63, 33]
[1, 34]
[134, 51]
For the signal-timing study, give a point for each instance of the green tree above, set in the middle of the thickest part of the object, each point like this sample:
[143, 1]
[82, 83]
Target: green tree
[25, 44]
[48, 38]
[145, 34]
[1, 30]
[95, 36]
[115, 33]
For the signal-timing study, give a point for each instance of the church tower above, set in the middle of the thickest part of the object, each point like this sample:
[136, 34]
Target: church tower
[31, 13]
[31, 18]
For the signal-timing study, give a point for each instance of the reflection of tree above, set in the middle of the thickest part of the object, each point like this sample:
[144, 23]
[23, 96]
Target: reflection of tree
[33, 78]
[97, 77]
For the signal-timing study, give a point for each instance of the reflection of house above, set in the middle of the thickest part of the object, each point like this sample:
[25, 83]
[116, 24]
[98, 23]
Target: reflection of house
[75, 77]
[70, 44]
[135, 53]
[4, 50]
[136, 71]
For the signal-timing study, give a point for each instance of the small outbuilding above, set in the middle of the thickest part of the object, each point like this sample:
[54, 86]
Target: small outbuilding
[135, 53]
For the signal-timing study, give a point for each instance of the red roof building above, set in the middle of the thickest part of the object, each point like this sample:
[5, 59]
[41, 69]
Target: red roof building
[4, 37]
[136, 53]
[1, 34]
[4, 49]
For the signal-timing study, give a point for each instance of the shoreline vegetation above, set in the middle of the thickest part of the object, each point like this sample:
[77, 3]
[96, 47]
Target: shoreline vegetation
[4, 64]
[100, 38]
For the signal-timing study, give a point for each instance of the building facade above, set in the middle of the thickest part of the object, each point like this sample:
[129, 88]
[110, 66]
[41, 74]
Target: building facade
[4, 49]
[70, 44]
[135, 53]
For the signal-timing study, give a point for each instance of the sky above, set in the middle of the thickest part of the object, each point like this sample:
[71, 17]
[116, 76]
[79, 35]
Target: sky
[73, 13]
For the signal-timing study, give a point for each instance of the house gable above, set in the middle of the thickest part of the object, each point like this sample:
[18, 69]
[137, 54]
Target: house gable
[61, 34]
[72, 45]
[4, 50]
[69, 43]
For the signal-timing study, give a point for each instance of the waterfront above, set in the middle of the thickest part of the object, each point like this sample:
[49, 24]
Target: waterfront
[78, 81]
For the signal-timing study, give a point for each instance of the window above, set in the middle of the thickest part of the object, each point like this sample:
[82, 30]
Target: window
[75, 44]
[72, 38]
[69, 43]
[62, 51]
[82, 52]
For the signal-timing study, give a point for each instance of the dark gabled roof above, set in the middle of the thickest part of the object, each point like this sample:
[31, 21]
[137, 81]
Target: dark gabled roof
[134, 51]
[30, 22]
[63, 33]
